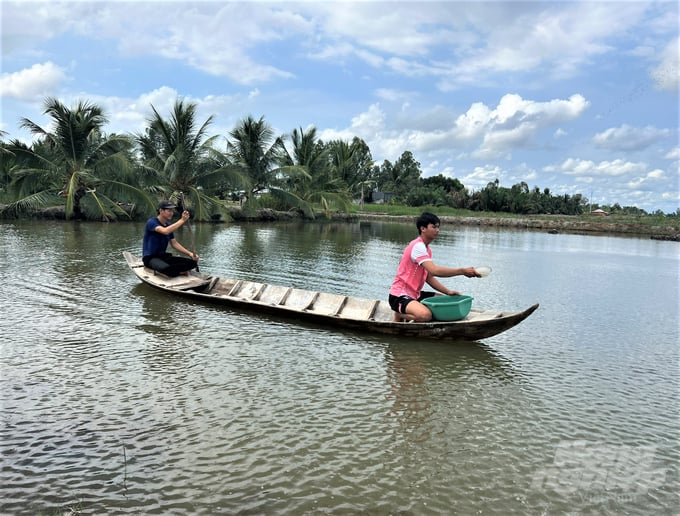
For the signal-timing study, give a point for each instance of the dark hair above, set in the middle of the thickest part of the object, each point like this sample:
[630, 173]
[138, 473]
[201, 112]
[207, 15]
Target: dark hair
[426, 218]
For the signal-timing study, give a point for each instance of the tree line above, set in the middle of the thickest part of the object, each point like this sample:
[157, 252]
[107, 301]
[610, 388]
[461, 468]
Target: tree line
[74, 165]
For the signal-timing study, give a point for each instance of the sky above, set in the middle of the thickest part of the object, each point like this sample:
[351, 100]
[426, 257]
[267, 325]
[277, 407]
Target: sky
[576, 97]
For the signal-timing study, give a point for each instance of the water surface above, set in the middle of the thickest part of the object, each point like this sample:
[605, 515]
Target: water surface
[117, 398]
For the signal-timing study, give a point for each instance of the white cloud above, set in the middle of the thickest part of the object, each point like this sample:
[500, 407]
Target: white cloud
[370, 121]
[653, 176]
[217, 38]
[615, 168]
[671, 196]
[474, 122]
[218, 41]
[674, 153]
[391, 94]
[481, 132]
[482, 176]
[22, 27]
[32, 83]
[558, 38]
[628, 138]
[666, 74]
[515, 122]
[399, 28]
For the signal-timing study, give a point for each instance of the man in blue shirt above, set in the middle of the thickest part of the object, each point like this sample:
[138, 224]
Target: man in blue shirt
[158, 234]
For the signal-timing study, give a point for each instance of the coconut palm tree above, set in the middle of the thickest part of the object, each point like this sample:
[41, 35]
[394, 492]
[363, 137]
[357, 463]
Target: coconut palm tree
[352, 162]
[256, 153]
[294, 181]
[179, 159]
[74, 161]
[319, 186]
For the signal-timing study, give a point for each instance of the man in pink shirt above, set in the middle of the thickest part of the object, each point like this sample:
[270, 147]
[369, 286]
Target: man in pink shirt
[417, 268]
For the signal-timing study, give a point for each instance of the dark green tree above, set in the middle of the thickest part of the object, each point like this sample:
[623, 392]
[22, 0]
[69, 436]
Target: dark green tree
[400, 178]
[453, 192]
[7, 160]
[352, 163]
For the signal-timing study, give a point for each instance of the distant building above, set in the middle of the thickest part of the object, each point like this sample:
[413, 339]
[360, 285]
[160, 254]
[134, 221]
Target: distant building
[599, 212]
[381, 197]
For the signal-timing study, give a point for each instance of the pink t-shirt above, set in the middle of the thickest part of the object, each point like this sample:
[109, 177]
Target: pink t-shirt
[411, 277]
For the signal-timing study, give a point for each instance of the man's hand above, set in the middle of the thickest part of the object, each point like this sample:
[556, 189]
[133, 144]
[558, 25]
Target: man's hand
[470, 272]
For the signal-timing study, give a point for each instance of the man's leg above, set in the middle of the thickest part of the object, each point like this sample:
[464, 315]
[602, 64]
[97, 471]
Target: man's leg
[177, 265]
[161, 265]
[400, 306]
[416, 311]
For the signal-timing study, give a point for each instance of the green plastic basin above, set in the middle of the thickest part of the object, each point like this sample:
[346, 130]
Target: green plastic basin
[449, 308]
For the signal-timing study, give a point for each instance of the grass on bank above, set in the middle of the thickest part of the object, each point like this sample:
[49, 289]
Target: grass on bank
[445, 211]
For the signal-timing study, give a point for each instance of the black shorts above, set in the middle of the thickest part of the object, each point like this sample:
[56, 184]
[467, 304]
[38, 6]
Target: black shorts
[399, 303]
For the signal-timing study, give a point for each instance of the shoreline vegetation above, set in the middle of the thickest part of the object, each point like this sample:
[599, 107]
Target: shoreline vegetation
[593, 224]
[657, 228]
[560, 224]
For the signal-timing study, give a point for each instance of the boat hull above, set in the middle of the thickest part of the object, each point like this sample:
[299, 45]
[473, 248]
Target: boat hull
[328, 310]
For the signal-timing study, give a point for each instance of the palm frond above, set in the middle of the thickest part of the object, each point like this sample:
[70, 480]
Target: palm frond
[293, 201]
[31, 203]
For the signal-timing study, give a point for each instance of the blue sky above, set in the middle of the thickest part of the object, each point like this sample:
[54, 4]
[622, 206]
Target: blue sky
[577, 97]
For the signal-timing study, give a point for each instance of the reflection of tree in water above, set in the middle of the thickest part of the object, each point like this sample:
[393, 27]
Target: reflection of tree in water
[247, 253]
[398, 233]
[87, 249]
[346, 237]
[314, 238]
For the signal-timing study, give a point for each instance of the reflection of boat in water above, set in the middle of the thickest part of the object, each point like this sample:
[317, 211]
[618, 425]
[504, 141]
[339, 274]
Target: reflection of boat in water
[436, 389]
[330, 310]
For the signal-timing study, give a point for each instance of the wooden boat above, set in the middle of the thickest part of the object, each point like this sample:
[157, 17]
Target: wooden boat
[334, 310]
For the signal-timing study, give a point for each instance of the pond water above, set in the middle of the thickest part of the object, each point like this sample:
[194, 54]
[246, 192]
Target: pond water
[120, 399]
